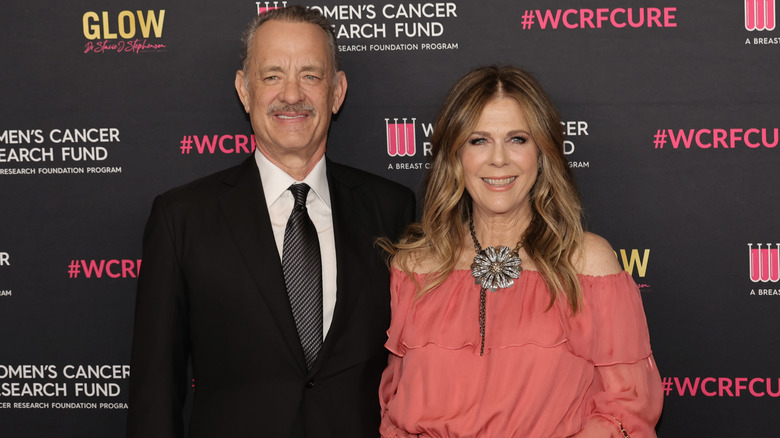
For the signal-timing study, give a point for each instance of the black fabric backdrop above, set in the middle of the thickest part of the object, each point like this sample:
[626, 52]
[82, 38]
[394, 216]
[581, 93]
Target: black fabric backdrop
[671, 111]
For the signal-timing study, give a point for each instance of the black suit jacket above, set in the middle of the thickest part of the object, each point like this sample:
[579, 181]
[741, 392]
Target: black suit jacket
[211, 288]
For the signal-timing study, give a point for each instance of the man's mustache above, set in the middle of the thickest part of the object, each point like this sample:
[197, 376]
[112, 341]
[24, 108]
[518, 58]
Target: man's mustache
[294, 108]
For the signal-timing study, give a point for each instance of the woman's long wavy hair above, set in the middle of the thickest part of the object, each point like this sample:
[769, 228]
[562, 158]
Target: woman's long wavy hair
[555, 232]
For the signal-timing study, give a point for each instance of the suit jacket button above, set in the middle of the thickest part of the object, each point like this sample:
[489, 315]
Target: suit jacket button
[310, 384]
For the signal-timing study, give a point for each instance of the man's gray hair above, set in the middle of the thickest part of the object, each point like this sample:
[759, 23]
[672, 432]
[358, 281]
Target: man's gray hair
[294, 14]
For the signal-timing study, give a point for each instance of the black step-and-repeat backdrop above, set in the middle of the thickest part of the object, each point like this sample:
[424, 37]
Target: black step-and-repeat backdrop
[671, 109]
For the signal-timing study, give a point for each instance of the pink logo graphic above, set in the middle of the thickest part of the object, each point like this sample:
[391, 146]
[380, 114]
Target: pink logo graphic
[764, 263]
[760, 14]
[263, 7]
[400, 138]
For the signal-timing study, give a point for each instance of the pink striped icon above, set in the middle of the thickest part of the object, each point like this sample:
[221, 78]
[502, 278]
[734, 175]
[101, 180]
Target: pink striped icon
[400, 138]
[760, 14]
[764, 263]
[269, 6]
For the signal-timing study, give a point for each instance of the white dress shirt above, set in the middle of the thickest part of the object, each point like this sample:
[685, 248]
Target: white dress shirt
[280, 203]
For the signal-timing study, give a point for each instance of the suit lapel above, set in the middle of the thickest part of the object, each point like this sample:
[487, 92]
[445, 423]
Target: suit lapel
[247, 216]
[349, 219]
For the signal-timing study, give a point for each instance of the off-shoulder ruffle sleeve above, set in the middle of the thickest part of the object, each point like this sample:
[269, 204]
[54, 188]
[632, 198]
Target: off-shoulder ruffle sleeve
[611, 328]
[401, 297]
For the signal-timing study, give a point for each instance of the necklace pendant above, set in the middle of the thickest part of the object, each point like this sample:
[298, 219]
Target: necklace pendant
[496, 269]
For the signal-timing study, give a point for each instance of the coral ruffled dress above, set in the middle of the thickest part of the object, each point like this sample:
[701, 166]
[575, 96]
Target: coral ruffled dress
[544, 373]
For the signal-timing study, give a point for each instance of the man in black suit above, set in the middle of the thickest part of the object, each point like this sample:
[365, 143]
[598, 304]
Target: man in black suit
[216, 280]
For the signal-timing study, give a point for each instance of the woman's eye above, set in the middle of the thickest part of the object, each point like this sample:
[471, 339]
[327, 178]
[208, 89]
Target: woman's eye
[519, 139]
[476, 141]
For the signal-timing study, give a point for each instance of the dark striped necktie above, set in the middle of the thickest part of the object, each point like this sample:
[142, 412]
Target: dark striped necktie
[302, 267]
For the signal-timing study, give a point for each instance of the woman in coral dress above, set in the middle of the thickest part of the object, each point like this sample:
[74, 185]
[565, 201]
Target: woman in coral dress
[508, 319]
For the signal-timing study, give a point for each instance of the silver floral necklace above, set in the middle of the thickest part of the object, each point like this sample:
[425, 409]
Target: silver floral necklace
[492, 269]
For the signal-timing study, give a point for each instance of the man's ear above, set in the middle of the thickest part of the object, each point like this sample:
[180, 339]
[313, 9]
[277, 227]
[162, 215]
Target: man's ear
[242, 90]
[339, 91]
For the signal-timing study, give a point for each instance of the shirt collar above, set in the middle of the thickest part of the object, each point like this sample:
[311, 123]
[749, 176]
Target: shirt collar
[276, 181]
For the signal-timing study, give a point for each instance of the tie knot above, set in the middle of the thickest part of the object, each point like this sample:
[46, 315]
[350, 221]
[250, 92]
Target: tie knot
[299, 192]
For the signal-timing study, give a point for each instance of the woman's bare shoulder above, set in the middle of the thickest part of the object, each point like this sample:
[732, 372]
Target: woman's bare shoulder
[597, 257]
